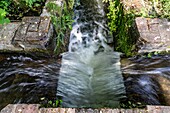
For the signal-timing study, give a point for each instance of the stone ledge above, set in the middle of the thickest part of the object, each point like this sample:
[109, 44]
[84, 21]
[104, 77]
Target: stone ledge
[35, 108]
[32, 34]
[154, 34]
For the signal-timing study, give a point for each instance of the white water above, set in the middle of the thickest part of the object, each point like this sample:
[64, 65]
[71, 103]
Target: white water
[90, 75]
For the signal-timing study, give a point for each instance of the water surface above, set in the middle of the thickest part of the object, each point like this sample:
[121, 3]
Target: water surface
[27, 80]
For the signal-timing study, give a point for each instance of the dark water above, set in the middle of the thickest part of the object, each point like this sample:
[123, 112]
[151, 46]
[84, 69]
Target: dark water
[27, 80]
[147, 80]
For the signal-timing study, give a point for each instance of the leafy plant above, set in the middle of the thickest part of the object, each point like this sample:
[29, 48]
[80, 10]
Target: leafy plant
[62, 21]
[3, 11]
[50, 103]
[120, 22]
[130, 105]
[3, 18]
[165, 8]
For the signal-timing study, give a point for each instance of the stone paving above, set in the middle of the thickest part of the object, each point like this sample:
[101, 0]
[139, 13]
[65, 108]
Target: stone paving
[35, 108]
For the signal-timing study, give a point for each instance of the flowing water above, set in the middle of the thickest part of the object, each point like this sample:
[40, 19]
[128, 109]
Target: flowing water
[147, 80]
[90, 75]
[27, 80]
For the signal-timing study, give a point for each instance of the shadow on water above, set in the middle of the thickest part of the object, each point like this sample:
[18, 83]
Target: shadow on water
[27, 80]
[147, 80]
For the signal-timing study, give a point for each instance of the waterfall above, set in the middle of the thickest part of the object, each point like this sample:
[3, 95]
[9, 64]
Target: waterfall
[90, 75]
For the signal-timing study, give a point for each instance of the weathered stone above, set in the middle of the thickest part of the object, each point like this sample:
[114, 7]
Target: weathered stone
[158, 109]
[44, 24]
[153, 21]
[21, 108]
[33, 27]
[49, 110]
[139, 111]
[126, 110]
[7, 32]
[151, 37]
[164, 85]
[106, 110]
[142, 24]
[164, 32]
[26, 108]
[8, 109]
[32, 20]
[154, 34]
[21, 32]
[153, 28]
[32, 37]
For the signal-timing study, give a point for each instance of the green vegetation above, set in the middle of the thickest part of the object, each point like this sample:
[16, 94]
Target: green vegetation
[154, 9]
[16, 9]
[130, 105]
[50, 103]
[120, 22]
[61, 17]
[3, 7]
[3, 18]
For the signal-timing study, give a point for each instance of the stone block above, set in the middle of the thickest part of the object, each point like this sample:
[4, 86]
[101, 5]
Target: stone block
[26, 108]
[32, 37]
[106, 110]
[126, 111]
[142, 24]
[164, 30]
[21, 32]
[44, 24]
[32, 20]
[21, 108]
[48, 110]
[154, 21]
[7, 32]
[150, 37]
[153, 28]
[158, 109]
[33, 27]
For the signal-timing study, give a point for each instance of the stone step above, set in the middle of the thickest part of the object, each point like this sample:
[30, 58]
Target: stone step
[35, 108]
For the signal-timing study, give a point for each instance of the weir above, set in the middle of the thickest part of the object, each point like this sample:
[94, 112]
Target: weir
[90, 75]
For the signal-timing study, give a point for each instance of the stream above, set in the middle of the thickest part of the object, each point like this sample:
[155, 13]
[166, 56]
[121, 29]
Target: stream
[27, 80]
[90, 74]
